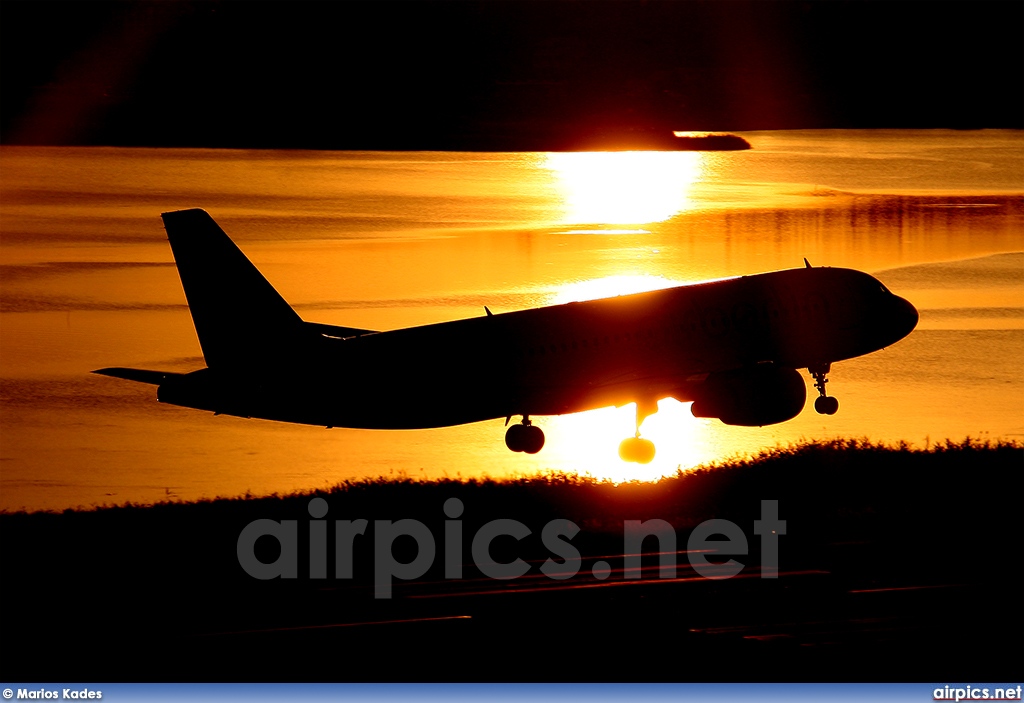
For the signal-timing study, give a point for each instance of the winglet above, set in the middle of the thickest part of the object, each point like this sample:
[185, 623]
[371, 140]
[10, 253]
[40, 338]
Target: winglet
[807, 263]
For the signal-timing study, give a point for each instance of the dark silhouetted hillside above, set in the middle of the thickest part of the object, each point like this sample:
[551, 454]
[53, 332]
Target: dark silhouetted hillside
[887, 549]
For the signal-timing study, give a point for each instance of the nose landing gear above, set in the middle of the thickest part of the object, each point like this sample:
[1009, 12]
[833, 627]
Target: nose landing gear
[634, 449]
[525, 437]
[824, 404]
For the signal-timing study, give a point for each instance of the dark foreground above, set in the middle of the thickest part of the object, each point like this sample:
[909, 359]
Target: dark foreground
[895, 565]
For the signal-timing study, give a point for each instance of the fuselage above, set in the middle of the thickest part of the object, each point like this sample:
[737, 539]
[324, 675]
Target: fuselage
[564, 358]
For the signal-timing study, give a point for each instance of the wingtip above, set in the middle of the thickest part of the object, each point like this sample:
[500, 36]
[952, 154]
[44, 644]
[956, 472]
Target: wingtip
[138, 375]
[186, 211]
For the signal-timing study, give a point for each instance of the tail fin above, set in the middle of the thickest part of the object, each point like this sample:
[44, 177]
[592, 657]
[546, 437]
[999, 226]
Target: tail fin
[242, 322]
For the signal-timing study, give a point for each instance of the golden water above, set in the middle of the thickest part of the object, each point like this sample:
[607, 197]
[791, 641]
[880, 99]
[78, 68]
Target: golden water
[388, 240]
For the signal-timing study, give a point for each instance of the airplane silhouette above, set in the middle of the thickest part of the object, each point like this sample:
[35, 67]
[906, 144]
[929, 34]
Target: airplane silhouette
[733, 347]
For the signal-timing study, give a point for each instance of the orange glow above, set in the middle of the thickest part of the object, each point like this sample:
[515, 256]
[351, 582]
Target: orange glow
[395, 240]
[590, 441]
[629, 187]
[609, 287]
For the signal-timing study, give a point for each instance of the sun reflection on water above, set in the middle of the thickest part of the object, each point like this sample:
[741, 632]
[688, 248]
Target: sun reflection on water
[609, 287]
[589, 441]
[625, 188]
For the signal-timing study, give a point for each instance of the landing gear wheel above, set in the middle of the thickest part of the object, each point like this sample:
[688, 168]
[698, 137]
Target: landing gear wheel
[636, 450]
[534, 439]
[515, 438]
[525, 437]
[823, 404]
[826, 405]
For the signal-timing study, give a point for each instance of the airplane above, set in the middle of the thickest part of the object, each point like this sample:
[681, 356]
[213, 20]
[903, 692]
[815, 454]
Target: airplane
[733, 347]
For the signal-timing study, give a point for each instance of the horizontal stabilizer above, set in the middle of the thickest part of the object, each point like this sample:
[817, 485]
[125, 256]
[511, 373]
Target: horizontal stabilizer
[139, 375]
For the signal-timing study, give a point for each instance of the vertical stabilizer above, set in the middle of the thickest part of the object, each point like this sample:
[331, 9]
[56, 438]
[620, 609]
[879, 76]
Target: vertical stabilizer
[242, 322]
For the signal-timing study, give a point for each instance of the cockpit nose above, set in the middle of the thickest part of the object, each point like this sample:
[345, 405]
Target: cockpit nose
[903, 317]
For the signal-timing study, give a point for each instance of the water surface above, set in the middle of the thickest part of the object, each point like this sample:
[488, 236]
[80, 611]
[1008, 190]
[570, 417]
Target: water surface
[388, 240]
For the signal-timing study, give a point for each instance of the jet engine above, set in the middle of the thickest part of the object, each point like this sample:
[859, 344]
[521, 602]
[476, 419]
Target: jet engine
[752, 397]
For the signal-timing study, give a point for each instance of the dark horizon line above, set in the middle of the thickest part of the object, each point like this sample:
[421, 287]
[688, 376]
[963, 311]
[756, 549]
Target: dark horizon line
[496, 145]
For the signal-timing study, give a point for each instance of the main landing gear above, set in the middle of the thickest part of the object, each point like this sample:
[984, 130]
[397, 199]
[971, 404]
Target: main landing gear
[525, 437]
[824, 404]
[634, 449]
